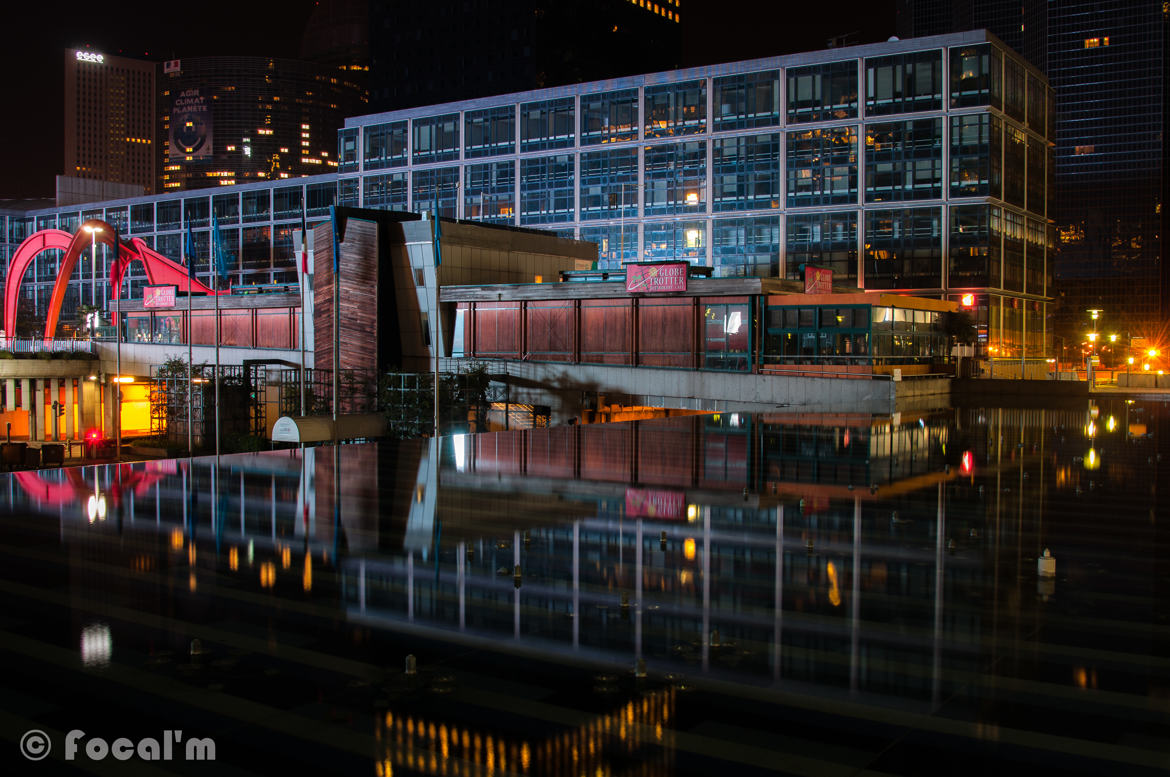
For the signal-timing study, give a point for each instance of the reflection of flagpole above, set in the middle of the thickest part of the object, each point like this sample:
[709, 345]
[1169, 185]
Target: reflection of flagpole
[215, 277]
[190, 359]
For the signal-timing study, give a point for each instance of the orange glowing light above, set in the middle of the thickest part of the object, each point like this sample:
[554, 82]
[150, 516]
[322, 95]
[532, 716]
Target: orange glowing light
[834, 589]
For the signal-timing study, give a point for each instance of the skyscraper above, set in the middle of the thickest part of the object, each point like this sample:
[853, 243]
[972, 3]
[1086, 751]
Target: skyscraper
[428, 53]
[110, 118]
[1106, 62]
[226, 120]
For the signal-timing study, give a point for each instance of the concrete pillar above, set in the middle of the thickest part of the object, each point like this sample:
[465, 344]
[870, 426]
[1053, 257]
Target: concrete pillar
[10, 394]
[53, 429]
[70, 402]
[38, 400]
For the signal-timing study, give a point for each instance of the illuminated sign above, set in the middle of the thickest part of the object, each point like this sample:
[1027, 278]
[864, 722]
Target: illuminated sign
[968, 300]
[656, 277]
[190, 126]
[89, 56]
[172, 66]
[158, 296]
[817, 280]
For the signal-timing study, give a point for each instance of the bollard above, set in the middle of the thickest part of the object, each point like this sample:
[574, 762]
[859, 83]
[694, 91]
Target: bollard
[715, 638]
[640, 668]
[1046, 565]
[411, 664]
[662, 541]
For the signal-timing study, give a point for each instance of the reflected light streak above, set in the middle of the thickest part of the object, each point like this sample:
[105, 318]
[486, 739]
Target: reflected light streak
[96, 645]
[834, 589]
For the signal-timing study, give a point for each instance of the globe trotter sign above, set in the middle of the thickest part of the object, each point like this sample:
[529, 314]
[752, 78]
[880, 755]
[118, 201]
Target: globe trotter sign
[656, 277]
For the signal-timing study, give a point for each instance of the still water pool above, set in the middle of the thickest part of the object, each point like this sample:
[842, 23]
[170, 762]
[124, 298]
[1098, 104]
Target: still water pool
[766, 594]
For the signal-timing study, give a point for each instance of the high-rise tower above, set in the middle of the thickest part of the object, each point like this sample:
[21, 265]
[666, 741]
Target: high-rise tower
[110, 118]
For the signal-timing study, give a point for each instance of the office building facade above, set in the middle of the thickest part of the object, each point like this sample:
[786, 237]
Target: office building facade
[110, 119]
[256, 221]
[1107, 64]
[916, 166]
[229, 120]
[919, 166]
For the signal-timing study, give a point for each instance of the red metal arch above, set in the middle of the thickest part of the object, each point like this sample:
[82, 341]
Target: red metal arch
[159, 269]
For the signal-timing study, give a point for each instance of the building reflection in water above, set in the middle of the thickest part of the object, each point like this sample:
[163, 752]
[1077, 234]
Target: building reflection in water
[637, 731]
[880, 559]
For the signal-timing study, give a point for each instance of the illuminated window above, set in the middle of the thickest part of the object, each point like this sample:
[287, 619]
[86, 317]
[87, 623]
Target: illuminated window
[1092, 43]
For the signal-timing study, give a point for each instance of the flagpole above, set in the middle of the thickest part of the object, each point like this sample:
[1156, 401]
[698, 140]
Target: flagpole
[435, 316]
[304, 284]
[215, 277]
[190, 358]
[336, 316]
[118, 343]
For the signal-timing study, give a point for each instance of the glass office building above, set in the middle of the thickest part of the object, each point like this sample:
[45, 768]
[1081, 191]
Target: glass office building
[918, 166]
[1107, 66]
[256, 223]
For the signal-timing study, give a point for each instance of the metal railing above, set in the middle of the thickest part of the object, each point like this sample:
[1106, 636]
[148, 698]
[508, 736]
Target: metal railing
[35, 345]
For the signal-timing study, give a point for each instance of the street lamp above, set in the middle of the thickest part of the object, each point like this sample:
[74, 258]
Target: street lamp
[93, 266]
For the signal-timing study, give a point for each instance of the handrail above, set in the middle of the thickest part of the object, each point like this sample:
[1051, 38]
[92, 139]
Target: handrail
[40, 345]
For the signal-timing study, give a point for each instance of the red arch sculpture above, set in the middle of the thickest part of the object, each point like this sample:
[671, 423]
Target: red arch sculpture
[75, 489]
[159, 269]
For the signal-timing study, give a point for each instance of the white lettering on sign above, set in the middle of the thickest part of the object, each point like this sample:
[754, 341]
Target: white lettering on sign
[89, 56]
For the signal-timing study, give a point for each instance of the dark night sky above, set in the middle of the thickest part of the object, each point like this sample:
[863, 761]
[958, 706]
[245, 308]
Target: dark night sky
[35, 42]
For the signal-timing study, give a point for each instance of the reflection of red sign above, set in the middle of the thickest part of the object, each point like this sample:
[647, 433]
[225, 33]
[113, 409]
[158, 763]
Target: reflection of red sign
[649, 503]
[671, 276]
[158, 296]
[817, 280]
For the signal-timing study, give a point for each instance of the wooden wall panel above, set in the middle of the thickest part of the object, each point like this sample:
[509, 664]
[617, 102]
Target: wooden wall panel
[498, 452]
[275, 329]
[235, 327]
[551, 329]
[605, 452]
[497, 329]
[606, 331]
[665, 454]
[358, 299]
[665, 329]
[550, 452]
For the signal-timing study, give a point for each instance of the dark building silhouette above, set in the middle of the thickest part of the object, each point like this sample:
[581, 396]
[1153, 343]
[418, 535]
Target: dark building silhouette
[226, 120]
[428, 53]
[1107, 63]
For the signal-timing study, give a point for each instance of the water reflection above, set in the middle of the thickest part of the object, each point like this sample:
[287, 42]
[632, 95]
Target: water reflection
[888, 561]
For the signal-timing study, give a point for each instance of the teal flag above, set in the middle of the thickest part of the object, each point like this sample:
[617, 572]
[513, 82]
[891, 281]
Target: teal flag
[223, 257]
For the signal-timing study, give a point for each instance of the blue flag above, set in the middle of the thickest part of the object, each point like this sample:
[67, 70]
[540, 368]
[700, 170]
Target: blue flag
[222, 256]
[438, 234]
[190, 253]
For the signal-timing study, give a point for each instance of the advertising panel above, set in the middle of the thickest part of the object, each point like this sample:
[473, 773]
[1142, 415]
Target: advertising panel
[158, 296]
[817, 280]
[656, 277]
[190, 125]
[654, 503]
